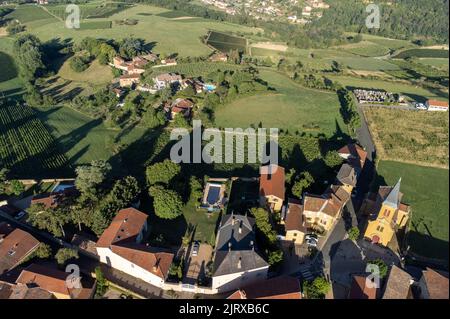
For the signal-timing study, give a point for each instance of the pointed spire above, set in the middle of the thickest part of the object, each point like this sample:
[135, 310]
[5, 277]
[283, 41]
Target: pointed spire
[393, 198]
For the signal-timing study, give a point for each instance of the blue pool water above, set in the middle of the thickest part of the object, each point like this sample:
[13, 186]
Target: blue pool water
[210, 87]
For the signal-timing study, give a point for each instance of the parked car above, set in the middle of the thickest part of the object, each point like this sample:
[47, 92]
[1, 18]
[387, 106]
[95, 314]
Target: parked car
[420, 106]
[195, 248]
[20, 215]
[312, 242]
[311, 236]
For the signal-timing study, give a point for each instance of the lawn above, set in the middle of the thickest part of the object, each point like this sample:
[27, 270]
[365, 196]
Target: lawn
[9, 70]
[426, 190]
[365, 48]
[95, 74]
[418, 137]
[291, 107]
[28, 13]
[436, 62]
[168, 35]
[422, 53]
[415, 92]
[195, 69]
[81, 138]
[10, 84]
[172, 231]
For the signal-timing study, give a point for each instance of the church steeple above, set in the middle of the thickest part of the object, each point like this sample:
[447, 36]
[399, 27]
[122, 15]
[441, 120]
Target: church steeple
[392, 200]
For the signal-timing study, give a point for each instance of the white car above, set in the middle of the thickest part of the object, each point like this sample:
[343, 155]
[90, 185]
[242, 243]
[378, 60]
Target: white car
[195, 248]
[421, 106]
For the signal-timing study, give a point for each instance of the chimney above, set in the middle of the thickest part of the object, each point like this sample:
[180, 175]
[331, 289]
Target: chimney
[229, 246]
[233, 219]
[252, 246]
[239, 265]
[240, 227]
[155, 266]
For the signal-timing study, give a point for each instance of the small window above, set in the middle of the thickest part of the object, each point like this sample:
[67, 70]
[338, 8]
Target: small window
[386, 212]
[380, 229]
[295, 235]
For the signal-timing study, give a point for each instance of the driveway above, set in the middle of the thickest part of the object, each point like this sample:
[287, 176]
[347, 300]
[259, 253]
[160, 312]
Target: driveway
[196, 265]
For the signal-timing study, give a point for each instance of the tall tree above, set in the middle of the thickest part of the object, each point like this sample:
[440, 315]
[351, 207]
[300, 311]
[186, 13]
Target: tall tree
[162, 172]
[89, 177]
[166, 202]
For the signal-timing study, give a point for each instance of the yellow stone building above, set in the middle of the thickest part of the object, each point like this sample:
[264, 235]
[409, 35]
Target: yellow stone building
[391, 215]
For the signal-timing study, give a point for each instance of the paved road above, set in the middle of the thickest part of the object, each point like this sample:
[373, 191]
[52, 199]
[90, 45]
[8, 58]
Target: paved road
[394, 107]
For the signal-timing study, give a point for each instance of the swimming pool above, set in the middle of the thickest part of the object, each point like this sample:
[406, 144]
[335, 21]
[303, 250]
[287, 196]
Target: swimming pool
[210, 87]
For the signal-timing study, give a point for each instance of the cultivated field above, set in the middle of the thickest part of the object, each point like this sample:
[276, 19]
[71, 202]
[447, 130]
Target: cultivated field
[426, 190]
[26, 146]
[291, 107]
[226, 42]
[418, 137]
[422, 53]
[166, 37]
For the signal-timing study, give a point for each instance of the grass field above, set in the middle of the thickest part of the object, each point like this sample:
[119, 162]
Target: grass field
[95, 74]
[418, 137]
[411, 91]
[81, 138]
[26, 146]
[426, 190]
[365, 48]
[10, 87]
[291, 107]
[196, 68]
[98, 9]
[9, 70]
[28, 13]
[436, 62]
[94, 25]
[169, 36]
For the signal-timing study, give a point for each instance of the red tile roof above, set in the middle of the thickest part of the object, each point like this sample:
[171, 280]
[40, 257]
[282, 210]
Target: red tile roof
[46, 278]
[156, 262]
[355, 152]
[359, 289]
[283, 287]
[294, 217]
[126, 225]
[121, 236]
[437, 284]
[15, 247]
[271, 181]
[438, 103]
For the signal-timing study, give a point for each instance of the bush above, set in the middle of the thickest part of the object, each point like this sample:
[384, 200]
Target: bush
[79, 63]
[317, 289]
[353, 233]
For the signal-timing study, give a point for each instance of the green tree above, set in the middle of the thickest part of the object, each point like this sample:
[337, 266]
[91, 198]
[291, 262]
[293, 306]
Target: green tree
[382, 267]
[17, 187]
[196, 189]
[162, 172]
[332, 159]
[153, 118]
[166, 202]
[89, 177]
[49, 219]
[275, 257]
[353, 233]
[263, 224]
[102, 283]
[317, 289]
[43, 251]
[65, 254]
[301, 183]
[3, 180]
[28, 55]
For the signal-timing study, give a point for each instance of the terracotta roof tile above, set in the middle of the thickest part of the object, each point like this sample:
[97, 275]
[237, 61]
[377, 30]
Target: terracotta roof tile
[126, 225]
[15, 247]
[294, 217]
[437, 284]
[272, 181]
[359, 289]
[283, 287]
